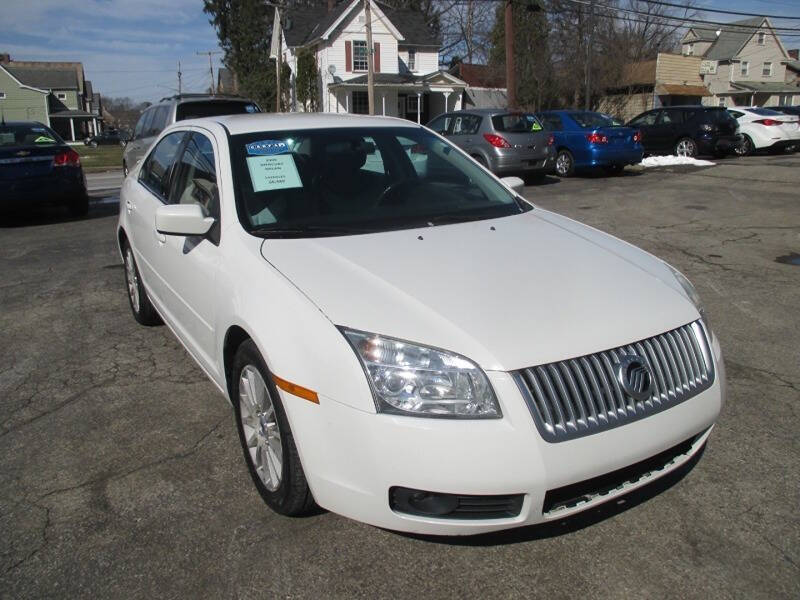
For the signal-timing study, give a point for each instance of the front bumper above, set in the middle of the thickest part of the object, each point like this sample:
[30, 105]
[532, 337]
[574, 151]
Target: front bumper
[353, 458]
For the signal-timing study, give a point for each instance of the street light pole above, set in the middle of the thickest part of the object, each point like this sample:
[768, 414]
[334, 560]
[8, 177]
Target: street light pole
[370, 58]
[511, 78]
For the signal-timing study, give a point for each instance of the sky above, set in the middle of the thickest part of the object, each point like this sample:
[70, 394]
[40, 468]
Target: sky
[131, 47]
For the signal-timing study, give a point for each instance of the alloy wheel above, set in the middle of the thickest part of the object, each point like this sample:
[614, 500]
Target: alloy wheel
[685, 148]
[563, 164]
[260, 425]
[132, 279]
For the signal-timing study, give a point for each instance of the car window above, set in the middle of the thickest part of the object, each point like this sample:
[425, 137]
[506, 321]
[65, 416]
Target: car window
[145, 121]
[466, 124]
[719, 115]
[766, 112]
[551, 122]
[214, 108]
[592, 120]
[736, 114]
[22, 134]
[516, 123]
[196, 176]
[328, 181]
[157, 168]
[441, 124]
[137, 132]
[671, 116]
[159, 121]
[648, 118]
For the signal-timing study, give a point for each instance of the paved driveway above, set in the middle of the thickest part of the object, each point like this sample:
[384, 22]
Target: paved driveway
[121, 474]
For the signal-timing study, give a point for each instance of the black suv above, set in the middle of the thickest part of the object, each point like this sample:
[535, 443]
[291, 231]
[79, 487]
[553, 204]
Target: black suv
[688, 130]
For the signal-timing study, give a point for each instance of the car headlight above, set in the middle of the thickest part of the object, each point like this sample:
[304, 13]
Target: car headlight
[414, 380]
[691, 293]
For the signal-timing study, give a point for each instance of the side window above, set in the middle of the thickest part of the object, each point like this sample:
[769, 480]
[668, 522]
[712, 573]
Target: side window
[736, 114]
[670, 117]
[137, 132]
[374, 161]
[466, 124]
[196, 176]
[441, 124]
[159, 121]
[648, 118]
[157, 169]
[145, 121]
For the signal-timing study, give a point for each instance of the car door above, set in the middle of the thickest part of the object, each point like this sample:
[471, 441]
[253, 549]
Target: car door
[646, 123]
[464, 131]
[142, 198]
[188, 265]
[669, 128]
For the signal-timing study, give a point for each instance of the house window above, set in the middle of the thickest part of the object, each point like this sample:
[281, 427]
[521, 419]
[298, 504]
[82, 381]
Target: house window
[412, 103]
[761, 37]
[359, 55]
[745, 68]
[690, 49]
[360, 103]
[2, 95]
[767, 70]
[61, 96]
[721, 101]
[412, 59]
[785, 100]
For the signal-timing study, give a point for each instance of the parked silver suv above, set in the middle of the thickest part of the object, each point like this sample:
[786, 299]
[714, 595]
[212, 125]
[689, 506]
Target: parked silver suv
[179, 108]
[506, 142]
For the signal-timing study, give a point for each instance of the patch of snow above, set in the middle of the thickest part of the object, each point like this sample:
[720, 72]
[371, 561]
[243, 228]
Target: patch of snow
[668, 161]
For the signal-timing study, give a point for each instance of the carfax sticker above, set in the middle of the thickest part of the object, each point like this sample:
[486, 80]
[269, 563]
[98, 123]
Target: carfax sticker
[267, 147]
[273, 172]
[43, 139]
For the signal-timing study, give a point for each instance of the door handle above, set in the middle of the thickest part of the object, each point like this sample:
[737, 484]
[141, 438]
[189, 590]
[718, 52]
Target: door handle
[162, 239]
[129, 206]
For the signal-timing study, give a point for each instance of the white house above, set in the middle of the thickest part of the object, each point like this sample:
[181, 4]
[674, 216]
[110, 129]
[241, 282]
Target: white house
[408, 82]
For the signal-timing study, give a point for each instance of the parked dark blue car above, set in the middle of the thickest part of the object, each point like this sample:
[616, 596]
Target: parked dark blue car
[586, 139]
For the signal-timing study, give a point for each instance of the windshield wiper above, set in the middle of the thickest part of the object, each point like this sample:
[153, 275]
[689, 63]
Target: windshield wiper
[307, 231]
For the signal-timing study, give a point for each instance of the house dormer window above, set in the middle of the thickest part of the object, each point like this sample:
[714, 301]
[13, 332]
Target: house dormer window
[766, 71]
[61, 96]
[744, 68]
[690, 49]
[360, 55]
[761, 38]
[412, 59]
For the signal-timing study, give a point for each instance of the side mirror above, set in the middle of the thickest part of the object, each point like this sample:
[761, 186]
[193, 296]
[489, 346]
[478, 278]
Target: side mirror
[182, 219]
[515, 184]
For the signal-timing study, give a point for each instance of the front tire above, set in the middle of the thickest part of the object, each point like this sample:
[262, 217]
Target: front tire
[686, 147]
[141, 307]
[266, 438]
[565, 164]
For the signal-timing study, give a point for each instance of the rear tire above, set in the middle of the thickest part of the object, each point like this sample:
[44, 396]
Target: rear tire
[686, 147]
[267, 441]
[141, 307]
[480, 160]
[565, 164]
[746, 148]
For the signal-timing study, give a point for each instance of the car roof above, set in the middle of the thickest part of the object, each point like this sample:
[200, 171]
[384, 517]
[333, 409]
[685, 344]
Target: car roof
[489, 112]
[28, 123]
[254, 122]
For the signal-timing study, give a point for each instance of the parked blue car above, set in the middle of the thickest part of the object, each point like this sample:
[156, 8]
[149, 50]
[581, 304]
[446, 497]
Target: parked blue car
[586, 139]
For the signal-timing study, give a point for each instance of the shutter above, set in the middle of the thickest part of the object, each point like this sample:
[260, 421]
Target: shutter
[377, 57]
[348, 56]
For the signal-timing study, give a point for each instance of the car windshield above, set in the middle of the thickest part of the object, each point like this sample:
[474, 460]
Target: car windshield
[214, 108]
[593, 120]
[355, 180]
[516, 123]
[33, 134]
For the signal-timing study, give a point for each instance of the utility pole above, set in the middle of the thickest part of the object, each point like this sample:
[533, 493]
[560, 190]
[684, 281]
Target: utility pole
[589, 53]
[511, 78]
[210, 66]
[275, 52]
[179, 78]
[370, 59]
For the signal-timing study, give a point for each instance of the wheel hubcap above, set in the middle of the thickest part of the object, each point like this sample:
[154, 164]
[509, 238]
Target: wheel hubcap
[133, 280]
[260, 425]
[562, 164]
[685, 148]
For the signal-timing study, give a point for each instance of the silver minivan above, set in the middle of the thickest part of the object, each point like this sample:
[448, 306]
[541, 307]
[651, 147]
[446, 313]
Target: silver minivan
[504, 141]
[179, 108]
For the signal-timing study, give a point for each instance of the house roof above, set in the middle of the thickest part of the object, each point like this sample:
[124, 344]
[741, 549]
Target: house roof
[305, 24]
[794, 65]
[404, 79]
[766, 86]
[640, 73]
[673, 89]
[487, 76]
[61, 79]
[731, 39]
[701, 35]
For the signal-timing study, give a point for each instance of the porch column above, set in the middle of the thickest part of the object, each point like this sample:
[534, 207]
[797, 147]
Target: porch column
[419, 107]
[446, 96]
[457, 103]
[94, 126]
[346, 101]
[72, 128]
[383, 102]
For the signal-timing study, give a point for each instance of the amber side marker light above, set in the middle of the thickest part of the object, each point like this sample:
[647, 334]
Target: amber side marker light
[296, 390]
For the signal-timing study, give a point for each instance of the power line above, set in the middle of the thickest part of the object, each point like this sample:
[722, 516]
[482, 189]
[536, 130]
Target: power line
[715, 10]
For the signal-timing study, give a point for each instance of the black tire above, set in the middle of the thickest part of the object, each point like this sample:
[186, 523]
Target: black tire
[142, 309]
[690, 145]
[292, 497]
[480, 160]
[79, 206]
[614, 169]
[746, 148]
[565, 164]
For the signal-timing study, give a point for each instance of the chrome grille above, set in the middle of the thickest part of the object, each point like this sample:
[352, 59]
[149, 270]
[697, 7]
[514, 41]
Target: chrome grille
[582, 396]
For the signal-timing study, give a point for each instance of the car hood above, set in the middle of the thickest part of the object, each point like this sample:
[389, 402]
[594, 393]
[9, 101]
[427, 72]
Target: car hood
[507, 293]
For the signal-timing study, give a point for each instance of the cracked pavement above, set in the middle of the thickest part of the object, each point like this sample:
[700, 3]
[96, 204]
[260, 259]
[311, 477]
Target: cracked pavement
[121, 473]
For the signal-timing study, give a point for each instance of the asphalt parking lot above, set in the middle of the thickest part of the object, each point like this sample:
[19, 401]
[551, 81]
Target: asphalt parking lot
[121, 473]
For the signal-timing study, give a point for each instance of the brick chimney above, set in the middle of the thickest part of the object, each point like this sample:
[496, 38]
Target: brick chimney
[331, 5]
[794, 53]
[5, 58]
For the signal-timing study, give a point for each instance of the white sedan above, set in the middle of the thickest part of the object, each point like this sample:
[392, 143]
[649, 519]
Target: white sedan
[766, 129]
[404, 339]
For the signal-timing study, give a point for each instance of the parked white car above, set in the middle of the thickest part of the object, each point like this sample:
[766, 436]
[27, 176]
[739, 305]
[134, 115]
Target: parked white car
[766, 129]
[412, 344]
